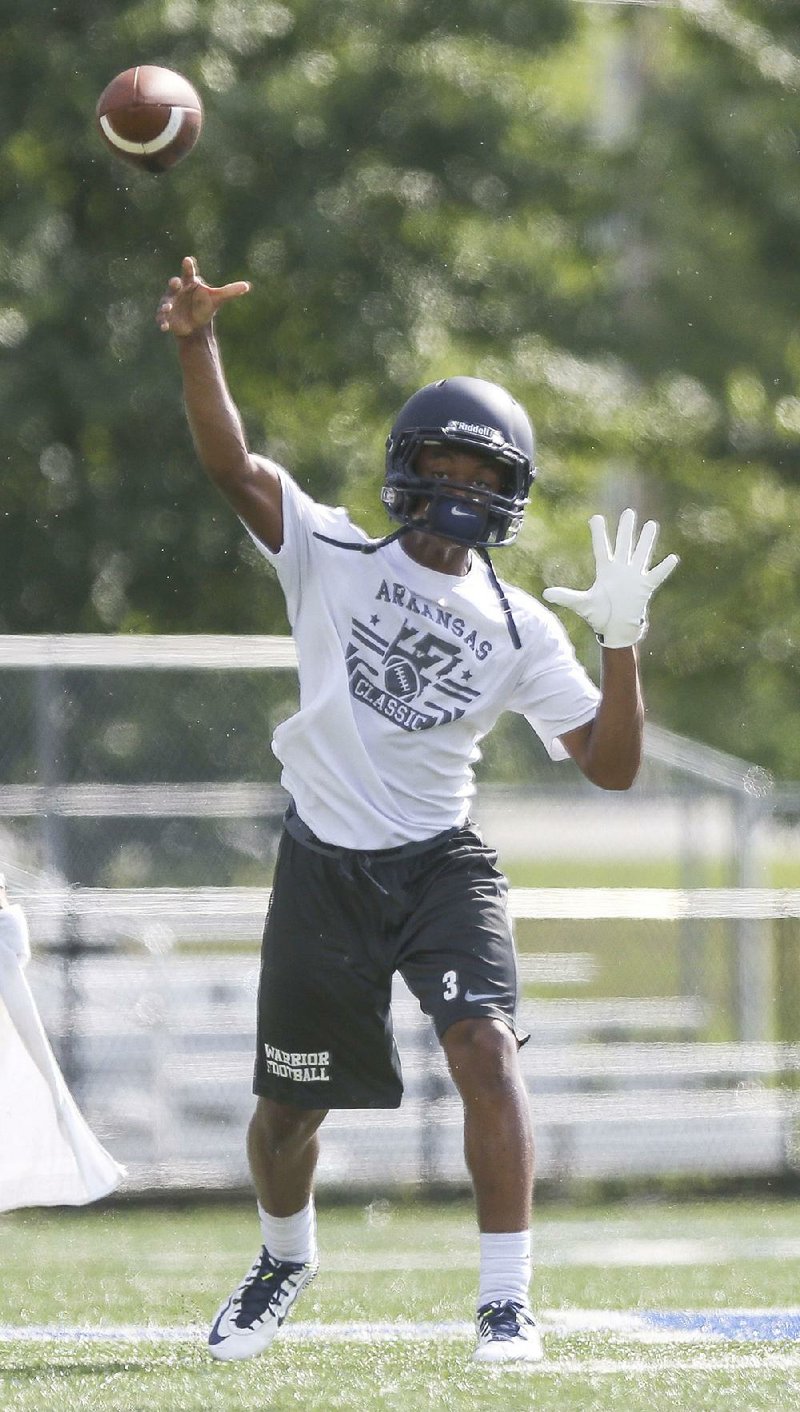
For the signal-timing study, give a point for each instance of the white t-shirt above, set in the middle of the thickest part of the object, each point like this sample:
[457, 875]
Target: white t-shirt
[402, 671]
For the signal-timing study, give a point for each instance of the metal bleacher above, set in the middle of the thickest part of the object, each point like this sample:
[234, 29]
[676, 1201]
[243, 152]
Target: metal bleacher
[157, 1042]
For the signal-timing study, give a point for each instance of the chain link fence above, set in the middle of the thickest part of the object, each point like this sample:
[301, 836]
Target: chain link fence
[140, 809]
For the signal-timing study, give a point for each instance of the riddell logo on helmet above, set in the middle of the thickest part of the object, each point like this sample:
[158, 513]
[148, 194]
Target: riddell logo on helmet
[471, 429]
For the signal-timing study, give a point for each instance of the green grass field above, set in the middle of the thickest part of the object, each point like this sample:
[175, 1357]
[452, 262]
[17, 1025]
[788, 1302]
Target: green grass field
[164, 1270]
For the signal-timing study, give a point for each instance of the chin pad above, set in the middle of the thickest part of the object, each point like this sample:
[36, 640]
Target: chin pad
[459, 519]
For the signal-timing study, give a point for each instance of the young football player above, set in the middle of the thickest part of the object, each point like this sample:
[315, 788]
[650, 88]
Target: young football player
[409, 649]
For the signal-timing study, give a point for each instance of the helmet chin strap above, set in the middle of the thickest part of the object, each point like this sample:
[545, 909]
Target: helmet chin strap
[373, 545]
[504, 603]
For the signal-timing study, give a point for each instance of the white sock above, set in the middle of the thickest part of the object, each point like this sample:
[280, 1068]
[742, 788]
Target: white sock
[505, 1269]
[290, 1237]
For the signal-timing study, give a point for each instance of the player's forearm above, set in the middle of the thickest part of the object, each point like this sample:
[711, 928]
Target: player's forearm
[614, 749]
[212, 414]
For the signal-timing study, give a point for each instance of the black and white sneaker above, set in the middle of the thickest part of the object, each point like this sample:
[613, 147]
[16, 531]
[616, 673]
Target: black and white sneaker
[507, 1333]
[248, 1321]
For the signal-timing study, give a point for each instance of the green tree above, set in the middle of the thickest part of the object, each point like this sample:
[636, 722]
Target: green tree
[701, 310]
[339, 140]
[595, 206]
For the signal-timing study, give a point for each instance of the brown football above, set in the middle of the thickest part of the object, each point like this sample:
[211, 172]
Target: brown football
[150, 116]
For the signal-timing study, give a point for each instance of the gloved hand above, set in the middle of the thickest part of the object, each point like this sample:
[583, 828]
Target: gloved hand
[616, 604]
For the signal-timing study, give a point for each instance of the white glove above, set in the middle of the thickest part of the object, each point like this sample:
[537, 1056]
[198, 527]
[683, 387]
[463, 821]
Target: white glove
[616, 604]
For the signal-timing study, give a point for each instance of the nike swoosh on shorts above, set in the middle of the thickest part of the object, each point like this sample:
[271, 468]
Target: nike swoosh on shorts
[470, 995]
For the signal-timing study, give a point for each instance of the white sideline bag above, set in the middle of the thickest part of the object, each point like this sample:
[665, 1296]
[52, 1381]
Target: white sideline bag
[49, 1155]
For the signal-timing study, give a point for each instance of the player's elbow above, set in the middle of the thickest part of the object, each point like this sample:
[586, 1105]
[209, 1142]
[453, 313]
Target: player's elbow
[617, 777]
[619, 785]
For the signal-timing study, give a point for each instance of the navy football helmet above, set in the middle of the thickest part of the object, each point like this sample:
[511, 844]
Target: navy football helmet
[477, 416]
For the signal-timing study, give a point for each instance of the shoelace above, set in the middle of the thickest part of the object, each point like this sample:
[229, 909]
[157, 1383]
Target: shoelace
[503, 1319]
[265, 1287]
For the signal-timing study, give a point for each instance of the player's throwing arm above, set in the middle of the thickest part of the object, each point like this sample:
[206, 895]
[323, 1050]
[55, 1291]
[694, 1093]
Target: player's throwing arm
[189, 303]
[186, 310]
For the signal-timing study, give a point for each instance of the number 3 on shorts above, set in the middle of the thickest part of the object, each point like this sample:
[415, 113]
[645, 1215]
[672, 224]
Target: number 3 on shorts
[450, 985]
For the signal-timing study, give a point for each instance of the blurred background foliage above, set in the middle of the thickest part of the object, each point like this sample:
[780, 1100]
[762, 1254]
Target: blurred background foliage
[595, 204]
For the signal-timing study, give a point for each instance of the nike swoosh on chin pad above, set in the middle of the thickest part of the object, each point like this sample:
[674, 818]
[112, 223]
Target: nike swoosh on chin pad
[458, 518]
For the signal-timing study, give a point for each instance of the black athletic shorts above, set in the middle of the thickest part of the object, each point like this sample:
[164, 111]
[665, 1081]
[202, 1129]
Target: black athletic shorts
[340, 923]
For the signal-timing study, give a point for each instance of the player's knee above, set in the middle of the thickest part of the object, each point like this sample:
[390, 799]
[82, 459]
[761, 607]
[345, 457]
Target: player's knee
[482, 1054]
[279, 1126]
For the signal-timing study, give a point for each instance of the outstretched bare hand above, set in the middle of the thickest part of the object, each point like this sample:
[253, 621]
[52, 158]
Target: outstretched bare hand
[188, 302]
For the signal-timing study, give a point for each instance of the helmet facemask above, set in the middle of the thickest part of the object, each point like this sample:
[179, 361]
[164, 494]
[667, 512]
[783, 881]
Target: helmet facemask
[476, 416]
[473, 415]
[475, 516]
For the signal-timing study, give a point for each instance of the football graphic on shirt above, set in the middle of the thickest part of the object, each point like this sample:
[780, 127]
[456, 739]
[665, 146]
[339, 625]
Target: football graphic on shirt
[401, 678]
[405, 679]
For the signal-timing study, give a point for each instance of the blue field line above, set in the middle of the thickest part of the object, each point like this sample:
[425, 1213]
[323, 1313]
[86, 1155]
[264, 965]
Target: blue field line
[649, 1326]
[752, 1325]
[679, 1325]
